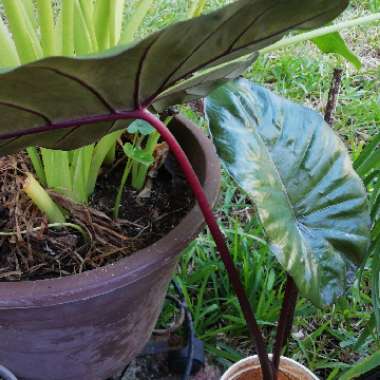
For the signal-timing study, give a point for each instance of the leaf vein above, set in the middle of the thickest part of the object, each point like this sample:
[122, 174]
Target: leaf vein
[82, 83]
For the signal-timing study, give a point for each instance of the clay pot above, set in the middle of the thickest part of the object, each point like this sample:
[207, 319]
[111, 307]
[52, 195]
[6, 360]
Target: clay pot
[249, 369]
[90, 326]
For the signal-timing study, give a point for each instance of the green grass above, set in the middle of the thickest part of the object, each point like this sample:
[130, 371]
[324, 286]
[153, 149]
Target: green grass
[324, 340]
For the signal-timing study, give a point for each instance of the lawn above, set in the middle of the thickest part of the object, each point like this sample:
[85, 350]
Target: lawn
[326, 340]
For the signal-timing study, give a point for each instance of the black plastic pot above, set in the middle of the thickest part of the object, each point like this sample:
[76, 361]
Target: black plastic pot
[89, 326]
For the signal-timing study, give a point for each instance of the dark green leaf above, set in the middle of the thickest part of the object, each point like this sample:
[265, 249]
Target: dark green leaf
[310, 200]
[179, 63]
[334, 43]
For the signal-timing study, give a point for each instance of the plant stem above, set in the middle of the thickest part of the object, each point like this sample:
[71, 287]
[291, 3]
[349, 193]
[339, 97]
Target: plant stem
[9, 56]
[24, 35]
[42, 200]
[126, 173]
[333, 95]
[46, 18]
[320, 32]
[141, 171]
[219, 238]
[68, 27]
[286, 321]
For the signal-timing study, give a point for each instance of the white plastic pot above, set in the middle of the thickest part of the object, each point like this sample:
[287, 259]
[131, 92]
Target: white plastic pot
[249, 369]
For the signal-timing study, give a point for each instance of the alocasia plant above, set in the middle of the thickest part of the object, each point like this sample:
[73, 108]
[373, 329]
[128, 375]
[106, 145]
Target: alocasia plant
[66, 103]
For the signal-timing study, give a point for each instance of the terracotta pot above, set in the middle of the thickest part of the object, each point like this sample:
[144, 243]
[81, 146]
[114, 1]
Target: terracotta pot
[249, 369]
[89, 326]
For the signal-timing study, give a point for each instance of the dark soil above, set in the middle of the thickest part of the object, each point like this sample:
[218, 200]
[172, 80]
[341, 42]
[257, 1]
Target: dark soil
[34, 251]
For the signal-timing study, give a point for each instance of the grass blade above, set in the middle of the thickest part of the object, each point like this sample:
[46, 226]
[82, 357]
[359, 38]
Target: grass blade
[362, 367]
[132, 25]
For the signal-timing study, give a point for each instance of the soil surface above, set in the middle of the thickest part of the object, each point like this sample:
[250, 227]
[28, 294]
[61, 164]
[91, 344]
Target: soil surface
[31, 251]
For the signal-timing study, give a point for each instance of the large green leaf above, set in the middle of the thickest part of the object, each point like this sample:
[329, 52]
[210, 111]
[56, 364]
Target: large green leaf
[176, 64]
[310, 200]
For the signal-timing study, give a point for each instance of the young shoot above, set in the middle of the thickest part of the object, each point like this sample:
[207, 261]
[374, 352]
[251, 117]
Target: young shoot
[140, 154]
[42, 200]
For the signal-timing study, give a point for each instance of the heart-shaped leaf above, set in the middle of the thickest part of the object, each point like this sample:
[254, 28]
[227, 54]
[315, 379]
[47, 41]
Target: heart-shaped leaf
[298, 172]
[142, 127]
[47, 103]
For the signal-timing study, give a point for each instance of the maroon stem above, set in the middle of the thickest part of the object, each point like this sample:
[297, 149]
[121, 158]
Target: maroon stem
[219, 238]
[285, 322]
[199, 194]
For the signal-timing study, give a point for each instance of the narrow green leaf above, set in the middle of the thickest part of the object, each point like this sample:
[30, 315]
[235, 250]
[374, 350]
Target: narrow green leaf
[82, 36]
[100, 152]
[20, 25]
[8, 52]
[102, 20]
[37, 164]
[298, 172]
[87, 8]
[81, 173]
[366, 154]
[136, 19]
[46, 22]
[57, 170]
[67, 10]
[362, 367]
[116, 21]
[58, 31]
[333, 43]
[30, 10]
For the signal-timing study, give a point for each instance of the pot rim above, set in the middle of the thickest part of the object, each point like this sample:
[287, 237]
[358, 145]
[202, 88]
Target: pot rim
[100, 281]
[254, 359]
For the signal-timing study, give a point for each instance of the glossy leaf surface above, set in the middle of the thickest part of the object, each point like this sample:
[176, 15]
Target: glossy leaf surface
[182, 62]
[297, 171]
